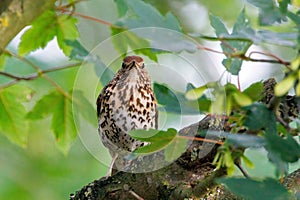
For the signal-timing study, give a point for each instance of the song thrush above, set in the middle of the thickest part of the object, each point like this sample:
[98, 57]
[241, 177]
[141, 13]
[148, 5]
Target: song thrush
[126, 103]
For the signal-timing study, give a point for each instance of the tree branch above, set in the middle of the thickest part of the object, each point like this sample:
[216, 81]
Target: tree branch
[16, 14]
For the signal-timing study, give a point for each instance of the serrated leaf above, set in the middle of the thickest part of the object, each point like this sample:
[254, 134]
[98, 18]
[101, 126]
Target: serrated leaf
[285, 85]
[254, 189]
[45, 28]
[241, 28]
[158, 139]
[196, 93]
[175, 149]
[62, 123]
[13, 123]
[66, 30]
[241, 99]
[254, 91]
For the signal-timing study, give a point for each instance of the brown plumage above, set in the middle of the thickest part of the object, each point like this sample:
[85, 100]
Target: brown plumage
[126, 103]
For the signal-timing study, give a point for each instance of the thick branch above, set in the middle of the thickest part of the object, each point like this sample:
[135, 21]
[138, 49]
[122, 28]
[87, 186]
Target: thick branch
[16, 14]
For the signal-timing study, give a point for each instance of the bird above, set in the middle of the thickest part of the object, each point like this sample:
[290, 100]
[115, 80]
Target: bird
[126, 103]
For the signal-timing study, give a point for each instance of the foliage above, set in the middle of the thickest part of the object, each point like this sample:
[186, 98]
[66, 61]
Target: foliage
[244, 109]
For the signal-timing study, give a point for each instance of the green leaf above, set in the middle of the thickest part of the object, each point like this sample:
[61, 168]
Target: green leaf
[255, 189]
[218, 25]
[254, 91]
[233, 65]
[45, 28]
[167, 97]
[12, 114]
[60, 108]
[247, 162]
[176, 102]
[78, 52]
[175, 149]
[81, 54]
[229, 163]
[144, 15]
[241, 28]
[242, 99]
[125, 39]
[196, 93]
[245, 141]
[287, 149]
[122, 7]
[66, 30]
[269, 13]
[83, 107]
[283, 5]
[3, 57]
[163, 33]
[285, 85]
[258, 116]
[288, 38]
[158, 139]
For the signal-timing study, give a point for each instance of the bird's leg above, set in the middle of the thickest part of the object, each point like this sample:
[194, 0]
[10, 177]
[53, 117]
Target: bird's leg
[111, 165]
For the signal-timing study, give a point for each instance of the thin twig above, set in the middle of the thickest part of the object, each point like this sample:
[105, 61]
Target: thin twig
[35, 75]
[200, 139]
[101, 21]
[244, 172]
[39, 72]
[271, 55]
[135, 195]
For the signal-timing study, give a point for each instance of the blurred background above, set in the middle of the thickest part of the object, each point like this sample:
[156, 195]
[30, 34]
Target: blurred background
[41, 171]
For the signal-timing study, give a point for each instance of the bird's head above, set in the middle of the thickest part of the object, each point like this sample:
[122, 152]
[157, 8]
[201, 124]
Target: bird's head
[133, 61]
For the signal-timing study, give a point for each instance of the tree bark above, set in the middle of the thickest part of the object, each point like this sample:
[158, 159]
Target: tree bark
[16, 14]
[185, 178]
[190, 176]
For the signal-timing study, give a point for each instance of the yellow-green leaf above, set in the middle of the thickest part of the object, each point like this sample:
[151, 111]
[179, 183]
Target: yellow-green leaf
[298, 89]
[247, 162]
[242, 99]
[175, 149]
[228, 104]
[13, 123]
[285, 85]
[45, 28]
[60, 108]
[195, 93]
[295, 64]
